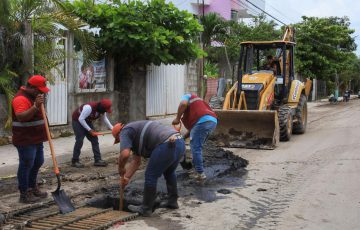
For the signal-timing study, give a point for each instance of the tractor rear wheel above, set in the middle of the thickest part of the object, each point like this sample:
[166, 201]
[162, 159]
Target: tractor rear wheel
[285, 123]
[301, 115]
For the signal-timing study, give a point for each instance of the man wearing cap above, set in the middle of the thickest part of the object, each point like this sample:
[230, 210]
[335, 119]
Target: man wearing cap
[82, 123]
[164, 146]
[28, 128]
[199, 119]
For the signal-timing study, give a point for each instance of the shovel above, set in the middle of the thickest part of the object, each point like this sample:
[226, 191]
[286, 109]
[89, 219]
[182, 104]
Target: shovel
[102, 133]
[60, 197]
[184, 164]
[121, 205]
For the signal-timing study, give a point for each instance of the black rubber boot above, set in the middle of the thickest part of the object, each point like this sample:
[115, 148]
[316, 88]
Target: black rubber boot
[171, 201]
[146, 209]
[76, 164]
[100, 163]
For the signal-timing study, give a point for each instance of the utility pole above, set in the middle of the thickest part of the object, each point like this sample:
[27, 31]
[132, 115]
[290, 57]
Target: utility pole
[336, 93]
[204, 87]
[201, 85]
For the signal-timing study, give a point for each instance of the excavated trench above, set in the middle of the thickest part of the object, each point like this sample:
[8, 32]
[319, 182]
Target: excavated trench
[98, 189]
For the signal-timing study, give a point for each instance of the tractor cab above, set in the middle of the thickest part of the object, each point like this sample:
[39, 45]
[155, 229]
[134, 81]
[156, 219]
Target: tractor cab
[260, 64]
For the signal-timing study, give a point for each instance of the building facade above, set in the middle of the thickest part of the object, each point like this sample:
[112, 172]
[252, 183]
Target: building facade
[228, 9]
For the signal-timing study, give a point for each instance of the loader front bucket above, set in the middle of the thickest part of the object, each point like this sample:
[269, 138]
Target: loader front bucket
[246, 129]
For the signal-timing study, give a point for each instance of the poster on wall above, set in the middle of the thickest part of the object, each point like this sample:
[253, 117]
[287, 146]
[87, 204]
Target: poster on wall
[92, 77]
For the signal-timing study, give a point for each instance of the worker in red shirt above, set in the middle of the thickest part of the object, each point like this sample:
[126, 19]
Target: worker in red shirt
[82, 123]
[28, 136]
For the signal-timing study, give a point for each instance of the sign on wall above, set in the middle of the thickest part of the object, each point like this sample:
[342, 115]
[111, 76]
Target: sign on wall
[92, 77]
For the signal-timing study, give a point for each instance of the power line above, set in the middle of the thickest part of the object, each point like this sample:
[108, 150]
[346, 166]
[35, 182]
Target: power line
[285, 25]
[245, 7]
[281, 13]
[265, 12]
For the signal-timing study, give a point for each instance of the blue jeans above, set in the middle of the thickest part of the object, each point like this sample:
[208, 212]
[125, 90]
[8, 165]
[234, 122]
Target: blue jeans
[164, 159]
[80, 133]
[198, 136]
[31, 158]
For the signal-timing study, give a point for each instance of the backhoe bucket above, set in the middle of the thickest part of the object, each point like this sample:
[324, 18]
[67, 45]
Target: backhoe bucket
[246, 129]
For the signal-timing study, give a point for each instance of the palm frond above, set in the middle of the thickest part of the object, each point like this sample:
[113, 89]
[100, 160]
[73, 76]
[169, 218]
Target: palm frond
[6, 80]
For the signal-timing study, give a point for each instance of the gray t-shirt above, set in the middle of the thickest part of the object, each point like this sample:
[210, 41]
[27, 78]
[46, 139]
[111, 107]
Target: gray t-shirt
[154, 135]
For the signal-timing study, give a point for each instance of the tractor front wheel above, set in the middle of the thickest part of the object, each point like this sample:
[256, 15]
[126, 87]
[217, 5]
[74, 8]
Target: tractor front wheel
[301, 115]
[285, 123]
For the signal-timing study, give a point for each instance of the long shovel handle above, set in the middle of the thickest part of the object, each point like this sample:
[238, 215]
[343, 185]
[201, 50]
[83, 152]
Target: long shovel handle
[102, 133]
[121, 206]
[56, 169]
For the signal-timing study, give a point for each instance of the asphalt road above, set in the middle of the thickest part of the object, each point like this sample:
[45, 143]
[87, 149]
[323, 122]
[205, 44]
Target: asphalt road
[311, 182]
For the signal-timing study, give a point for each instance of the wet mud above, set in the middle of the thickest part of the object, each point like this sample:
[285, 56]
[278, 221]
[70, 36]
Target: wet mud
[238, 139]
[223, 169]
[99, 187]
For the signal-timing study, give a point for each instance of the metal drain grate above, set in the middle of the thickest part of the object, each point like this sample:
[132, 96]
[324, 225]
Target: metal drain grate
[81, 218]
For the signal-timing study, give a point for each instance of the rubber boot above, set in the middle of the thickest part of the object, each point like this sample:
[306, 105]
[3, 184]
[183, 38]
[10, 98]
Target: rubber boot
[28, 197]
[146, 208]
[171, 201]
[76, 164]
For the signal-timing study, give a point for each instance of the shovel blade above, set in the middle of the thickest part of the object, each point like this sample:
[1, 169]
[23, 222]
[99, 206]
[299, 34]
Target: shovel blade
[63, 201]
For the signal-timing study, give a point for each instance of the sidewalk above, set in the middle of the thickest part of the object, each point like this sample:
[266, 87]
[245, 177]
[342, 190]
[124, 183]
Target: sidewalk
[63, 147]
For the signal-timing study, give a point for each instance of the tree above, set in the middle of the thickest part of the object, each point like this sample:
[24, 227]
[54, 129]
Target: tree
[29, 36]
[214, 27]
[323, 46]
[142, 33]
[233, 33]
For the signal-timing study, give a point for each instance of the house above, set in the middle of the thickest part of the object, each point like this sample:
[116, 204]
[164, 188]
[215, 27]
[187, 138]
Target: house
[228, 9]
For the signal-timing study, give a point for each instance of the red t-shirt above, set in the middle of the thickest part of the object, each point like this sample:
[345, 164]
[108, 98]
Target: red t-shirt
[21, 104]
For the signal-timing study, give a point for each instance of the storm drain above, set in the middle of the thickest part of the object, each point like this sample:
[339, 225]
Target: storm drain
[82, 218]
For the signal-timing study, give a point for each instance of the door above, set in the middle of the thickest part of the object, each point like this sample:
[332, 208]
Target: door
[56, 105]
[165, 84]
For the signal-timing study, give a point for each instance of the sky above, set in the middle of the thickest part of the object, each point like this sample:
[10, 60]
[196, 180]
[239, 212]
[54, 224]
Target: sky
[290, 11]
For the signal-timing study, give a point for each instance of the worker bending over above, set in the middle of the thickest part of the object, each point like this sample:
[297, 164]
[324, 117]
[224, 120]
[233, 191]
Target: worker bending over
[164, 146]
[82, 123]
[199, 119]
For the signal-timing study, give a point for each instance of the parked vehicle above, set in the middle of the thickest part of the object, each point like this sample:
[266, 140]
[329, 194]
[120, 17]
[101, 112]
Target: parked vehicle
[333, 99]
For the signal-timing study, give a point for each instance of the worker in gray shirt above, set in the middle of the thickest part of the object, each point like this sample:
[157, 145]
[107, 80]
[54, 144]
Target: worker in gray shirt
[164, 146]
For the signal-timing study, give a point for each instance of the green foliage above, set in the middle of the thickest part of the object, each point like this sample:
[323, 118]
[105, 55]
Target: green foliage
[211, 70]
[236, 32]
[142, 33]
[6, 86]
[214, 28]
[323, 46]
[47, 20]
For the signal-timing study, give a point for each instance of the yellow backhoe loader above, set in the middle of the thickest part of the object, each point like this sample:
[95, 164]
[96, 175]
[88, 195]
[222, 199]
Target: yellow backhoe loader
[266, 104]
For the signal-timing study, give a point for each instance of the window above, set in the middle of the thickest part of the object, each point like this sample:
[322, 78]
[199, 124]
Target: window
[234, 15]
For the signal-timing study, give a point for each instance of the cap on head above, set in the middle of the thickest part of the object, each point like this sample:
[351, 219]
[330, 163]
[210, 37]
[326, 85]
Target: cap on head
[116, 131]
[106, 104]
[39, 82]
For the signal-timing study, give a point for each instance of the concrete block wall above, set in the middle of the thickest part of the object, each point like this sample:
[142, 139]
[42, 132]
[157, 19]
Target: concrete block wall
[192, 73]
[130, 88]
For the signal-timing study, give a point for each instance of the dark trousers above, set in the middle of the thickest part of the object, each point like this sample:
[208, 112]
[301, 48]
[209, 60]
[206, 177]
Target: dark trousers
[31, 158]
[80, 134]
[164, 160]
